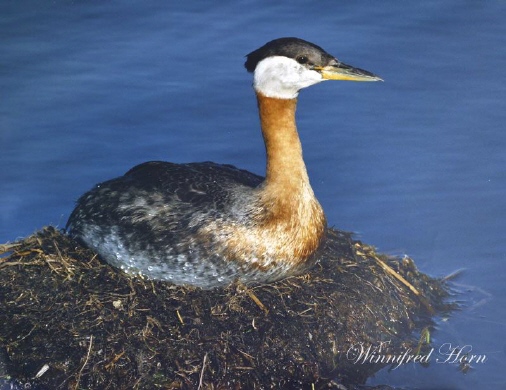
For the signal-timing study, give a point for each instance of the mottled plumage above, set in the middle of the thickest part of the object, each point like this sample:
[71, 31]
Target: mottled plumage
[153, 213]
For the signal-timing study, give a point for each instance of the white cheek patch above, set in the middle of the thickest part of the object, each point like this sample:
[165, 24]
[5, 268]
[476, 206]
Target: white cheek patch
[283, 78]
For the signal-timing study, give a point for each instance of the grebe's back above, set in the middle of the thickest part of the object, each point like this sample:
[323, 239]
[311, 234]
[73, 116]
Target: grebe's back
[154, 212]
[206, 224]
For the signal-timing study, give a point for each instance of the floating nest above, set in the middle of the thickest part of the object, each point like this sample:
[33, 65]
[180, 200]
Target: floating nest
[68, 320]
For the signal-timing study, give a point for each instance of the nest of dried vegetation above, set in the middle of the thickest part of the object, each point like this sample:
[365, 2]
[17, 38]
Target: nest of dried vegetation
[89, 326]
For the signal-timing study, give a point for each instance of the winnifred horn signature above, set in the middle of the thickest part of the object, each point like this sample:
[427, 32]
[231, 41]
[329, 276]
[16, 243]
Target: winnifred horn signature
[447, 353]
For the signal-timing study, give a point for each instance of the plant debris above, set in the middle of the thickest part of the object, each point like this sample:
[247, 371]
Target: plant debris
[70, 321]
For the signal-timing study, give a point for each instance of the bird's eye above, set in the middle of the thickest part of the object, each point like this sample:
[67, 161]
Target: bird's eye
[302, 59]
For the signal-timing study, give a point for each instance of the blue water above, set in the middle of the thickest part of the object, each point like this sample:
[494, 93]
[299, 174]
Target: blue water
[414, 165]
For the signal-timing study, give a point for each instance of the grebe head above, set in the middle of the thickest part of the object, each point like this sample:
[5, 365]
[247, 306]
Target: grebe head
[284, 66]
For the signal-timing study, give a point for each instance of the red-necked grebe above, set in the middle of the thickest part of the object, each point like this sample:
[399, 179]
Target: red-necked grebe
[207, 225]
